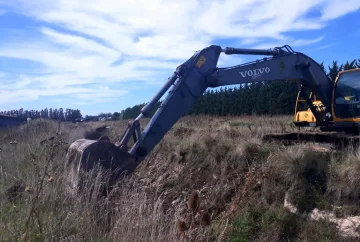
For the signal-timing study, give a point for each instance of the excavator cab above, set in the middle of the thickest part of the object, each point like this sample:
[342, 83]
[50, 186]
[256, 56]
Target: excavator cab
[346, 99]
[345, 106]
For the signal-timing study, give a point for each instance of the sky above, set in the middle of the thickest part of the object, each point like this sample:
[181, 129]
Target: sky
[107, 55]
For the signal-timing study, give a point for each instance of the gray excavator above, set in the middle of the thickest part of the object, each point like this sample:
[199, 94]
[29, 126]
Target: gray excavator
[333, 106]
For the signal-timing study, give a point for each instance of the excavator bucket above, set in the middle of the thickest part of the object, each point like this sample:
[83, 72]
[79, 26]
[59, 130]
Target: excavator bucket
[84, 155]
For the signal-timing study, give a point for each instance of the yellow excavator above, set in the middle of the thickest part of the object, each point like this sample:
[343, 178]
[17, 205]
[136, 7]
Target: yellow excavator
[340, 126]
[334, 107]
[345, 105]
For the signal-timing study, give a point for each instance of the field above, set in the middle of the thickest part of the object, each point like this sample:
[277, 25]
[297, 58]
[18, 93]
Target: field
[209, 179]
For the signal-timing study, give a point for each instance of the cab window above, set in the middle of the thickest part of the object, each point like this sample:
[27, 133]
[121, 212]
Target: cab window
[347, 95]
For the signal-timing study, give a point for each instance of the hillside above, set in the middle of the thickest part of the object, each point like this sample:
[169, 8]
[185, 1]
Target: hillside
[218, 163]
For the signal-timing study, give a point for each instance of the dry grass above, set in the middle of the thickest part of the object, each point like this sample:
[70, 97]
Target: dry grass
[209, 179]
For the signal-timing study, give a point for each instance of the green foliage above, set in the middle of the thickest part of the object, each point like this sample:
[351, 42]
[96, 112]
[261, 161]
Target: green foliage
[270, 224]
[259, 98]
[133, 112]
[256, 221]
[334, 69]
[116, 116]
[53, 114]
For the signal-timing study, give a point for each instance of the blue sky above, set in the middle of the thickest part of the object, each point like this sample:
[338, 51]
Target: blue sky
[106, 55]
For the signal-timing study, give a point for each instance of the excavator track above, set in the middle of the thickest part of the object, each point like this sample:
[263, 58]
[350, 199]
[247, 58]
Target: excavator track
[337, 140]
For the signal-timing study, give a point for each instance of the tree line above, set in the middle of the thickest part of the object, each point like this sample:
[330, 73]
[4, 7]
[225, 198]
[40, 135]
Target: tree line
[273, 97]
[133, 112]
[53, 114]
[58, 115]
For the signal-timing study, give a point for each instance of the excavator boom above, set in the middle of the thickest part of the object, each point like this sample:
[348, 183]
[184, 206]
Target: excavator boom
[286, 66]
[191, 79]
[200, 72]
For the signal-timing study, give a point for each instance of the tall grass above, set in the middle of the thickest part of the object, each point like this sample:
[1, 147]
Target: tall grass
[209, 179]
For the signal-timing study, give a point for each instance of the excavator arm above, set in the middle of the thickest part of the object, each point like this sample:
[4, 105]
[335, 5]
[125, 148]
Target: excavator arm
[193, 77]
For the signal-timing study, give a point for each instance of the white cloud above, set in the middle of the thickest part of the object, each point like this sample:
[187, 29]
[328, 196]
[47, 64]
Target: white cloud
[77, 43]
[321, 47]
[335, 8]
[108, 41]
[291, 42]
[89, 95]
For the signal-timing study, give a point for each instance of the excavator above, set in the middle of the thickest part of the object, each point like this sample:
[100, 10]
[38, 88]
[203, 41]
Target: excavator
[333, 106]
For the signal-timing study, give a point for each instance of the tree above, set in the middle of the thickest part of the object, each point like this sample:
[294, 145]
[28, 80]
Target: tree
[116, 116]
[334, 70]
[133, 112]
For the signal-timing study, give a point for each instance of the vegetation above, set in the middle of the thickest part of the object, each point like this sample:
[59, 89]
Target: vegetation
[58, 114]
[209, 179]
[52, 114]
[133, 112]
